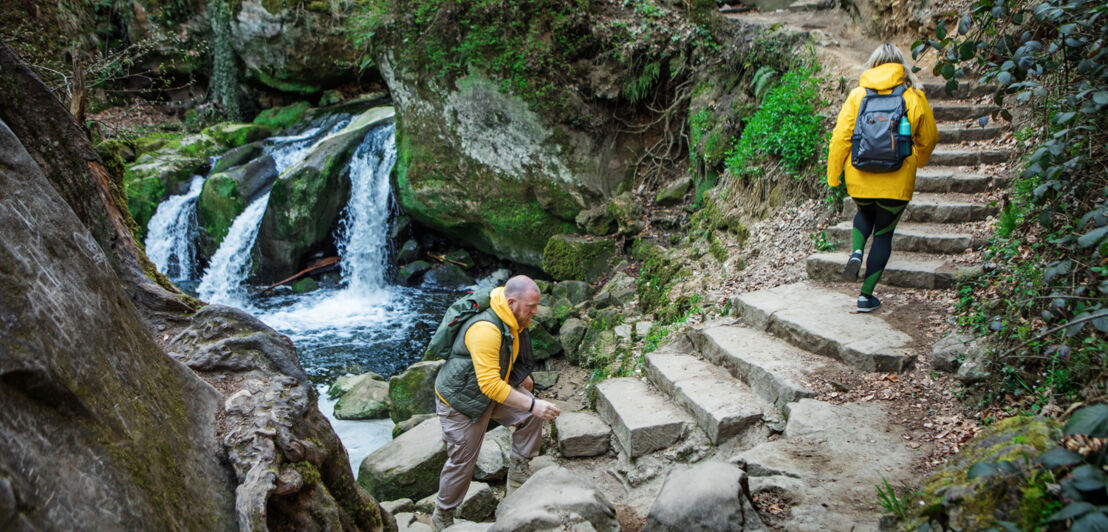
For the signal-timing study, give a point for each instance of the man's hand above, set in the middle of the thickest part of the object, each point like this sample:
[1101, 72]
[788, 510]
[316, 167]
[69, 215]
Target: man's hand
[545, 410]
[528, 384]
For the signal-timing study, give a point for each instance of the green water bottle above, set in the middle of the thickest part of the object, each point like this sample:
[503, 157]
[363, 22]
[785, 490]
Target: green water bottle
[904, 147]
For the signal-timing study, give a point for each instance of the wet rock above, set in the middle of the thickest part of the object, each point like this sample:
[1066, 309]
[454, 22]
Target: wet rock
[582, 434]
[367, 398]
[461, 257]
[674, 193]
[574, 291]
[346, 382]
[555, 498]
[447, 275]
[410, 273]
[409, 252]
[409, 424]
[596, 221]
[413, 392]
[708, 496]
[492, 459]
[579, 258]
[407, 467]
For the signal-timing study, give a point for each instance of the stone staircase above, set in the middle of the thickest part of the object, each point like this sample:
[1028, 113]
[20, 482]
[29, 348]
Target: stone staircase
[726, 380]
[950, 196]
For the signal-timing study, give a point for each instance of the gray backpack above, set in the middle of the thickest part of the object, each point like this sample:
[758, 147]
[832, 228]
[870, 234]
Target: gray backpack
[876, 145]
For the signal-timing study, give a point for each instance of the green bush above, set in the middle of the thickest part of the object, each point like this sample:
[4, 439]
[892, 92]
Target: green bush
[786, 127]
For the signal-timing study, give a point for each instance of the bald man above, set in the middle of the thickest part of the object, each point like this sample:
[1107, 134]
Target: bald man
[476, 384]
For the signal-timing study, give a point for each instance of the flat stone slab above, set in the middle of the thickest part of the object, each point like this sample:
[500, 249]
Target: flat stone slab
[947, 208]
[582, 434]
[936, 91]
[826, 322]
[923, 238]
[777, 371]
[642, 418]
[951, 156]
[950, 134]
[960, 110]
[906, 270]
[946, 179]
[828, 462]
[722, 405]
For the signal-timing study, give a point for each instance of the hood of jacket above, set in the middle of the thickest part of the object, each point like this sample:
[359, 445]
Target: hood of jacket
[883, 77]
[499, 304]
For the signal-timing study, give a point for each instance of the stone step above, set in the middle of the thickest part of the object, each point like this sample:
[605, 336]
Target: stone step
[950, 156]
[906, 270]
[923, 238]
[642, 418]
[953, 111]
[826, 323]
[947, 208]
[721, 405]
[950, 134]
[945, 179]
[777, 371]
[936, 91]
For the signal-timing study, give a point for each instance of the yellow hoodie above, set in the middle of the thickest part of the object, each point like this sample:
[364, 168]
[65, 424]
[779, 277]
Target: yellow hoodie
[897, 185]
[483, 341]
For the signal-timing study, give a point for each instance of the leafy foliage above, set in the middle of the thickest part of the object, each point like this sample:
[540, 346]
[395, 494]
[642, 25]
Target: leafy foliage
[786, 126]
[1046, 302]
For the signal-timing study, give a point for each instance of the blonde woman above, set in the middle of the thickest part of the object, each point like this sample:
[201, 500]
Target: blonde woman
[881, 194]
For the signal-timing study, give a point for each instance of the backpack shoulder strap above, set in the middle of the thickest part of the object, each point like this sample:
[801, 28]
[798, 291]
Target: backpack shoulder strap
[899, 90]
[869, 91]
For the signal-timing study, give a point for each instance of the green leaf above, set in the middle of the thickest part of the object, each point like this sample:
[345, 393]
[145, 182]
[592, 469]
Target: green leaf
[940, 32]
[1061, 267]
[1091, 522]
[948, 71]
[1101, 97]
[1071, 511]
[1066, 29]
[1062, 118]
[967, 50]
[1088, 478]
[1090, 421]
[1092, 237]
[1004, 78]
[964, 24]
[1059, 457]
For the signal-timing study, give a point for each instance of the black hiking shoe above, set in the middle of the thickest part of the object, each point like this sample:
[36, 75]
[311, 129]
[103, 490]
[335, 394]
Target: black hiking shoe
[850, 271]
[868, 303]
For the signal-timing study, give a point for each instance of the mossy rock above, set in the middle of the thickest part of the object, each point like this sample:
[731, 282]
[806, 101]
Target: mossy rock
[280, 118]
[448, 275]
[237, 156]
[368, 398]
[576, 257]
[975, 504]
[543, 344]
[574, 291]
[570, 335]
[175, 169]
[562, 310]
[461, 257]
[413, 392]
[219, 204]
[409, 274]
[233, 135]
[304, 286]
[143, 197]
[116, 148]
[408, 252]
[597, 221]
[627, 212]
[673, 193]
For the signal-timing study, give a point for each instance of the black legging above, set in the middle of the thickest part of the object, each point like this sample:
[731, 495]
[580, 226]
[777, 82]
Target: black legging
[877, 217]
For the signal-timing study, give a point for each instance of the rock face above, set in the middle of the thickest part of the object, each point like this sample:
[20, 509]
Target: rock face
[131, 435]
[708, 496]
[82, 382]
[290, 465]
[407, 467]
[306, 202]
[300, 48]
[555, 499]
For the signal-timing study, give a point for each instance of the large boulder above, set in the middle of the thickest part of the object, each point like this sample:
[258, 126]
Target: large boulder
[577, 257]
[413, 392]
[555, 498]
[570, 335]
[226, 194]
[492, 459]
[306, 202]
[407, 467]
[367, 398]
[295, 47]
[707, 496]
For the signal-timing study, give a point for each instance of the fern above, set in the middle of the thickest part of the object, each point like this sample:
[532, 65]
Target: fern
[762, 81]
[639, 88]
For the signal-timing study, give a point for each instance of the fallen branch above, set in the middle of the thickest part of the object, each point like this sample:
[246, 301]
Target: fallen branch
[442, 258]
[323, 263]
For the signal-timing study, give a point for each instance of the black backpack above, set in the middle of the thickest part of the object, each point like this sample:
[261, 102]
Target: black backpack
[876, 146]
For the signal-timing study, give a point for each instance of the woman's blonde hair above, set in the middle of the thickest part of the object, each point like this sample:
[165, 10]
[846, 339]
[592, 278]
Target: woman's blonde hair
[889, 53]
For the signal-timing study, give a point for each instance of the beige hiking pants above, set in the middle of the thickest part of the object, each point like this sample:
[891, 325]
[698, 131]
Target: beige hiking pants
[463, 439]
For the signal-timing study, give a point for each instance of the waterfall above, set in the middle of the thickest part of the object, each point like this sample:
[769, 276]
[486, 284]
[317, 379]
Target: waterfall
[222, 283]
[230, 266]
[170, 232]
[362, 236]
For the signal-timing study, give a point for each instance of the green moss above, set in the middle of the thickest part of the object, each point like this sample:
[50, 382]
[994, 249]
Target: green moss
[278, 82]
[658, 273]
[279, 118]
[233, 135]
[219, 204]
[568, 257]
[143, 196]
[717, 250]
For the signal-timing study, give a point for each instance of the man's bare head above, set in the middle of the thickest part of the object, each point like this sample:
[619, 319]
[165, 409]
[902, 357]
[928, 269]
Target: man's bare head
[523, 298]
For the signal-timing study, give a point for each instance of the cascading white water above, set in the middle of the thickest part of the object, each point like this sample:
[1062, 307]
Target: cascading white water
[363, 232]
[222, 282]
[230, 266]
[171, 231]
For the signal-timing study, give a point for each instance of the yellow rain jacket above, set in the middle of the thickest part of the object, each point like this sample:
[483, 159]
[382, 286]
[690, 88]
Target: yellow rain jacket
[897, 185]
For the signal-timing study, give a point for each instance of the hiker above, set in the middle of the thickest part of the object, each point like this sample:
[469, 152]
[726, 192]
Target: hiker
[478, 383]
[880, 161]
